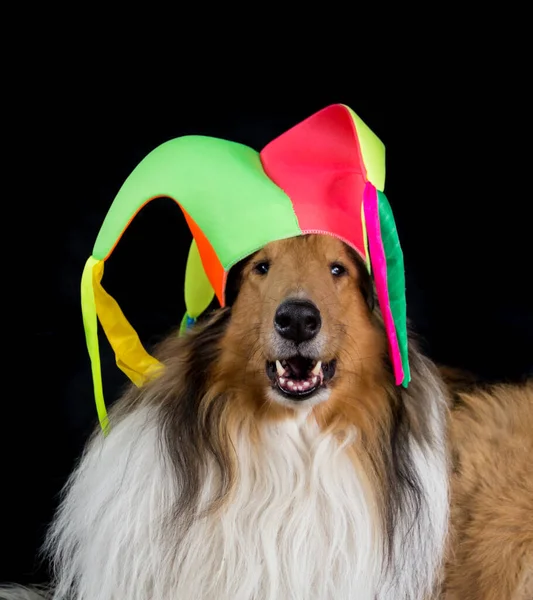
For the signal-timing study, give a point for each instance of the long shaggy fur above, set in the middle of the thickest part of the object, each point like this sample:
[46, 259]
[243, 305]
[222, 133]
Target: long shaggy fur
[155, 510]
[491, 550]
[206, 488]
[23, 593]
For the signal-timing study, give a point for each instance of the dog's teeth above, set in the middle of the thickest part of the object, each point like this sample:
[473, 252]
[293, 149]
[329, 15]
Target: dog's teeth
[306, 384]
[315, 379]
[291, 384]
[282, 381]
[280, 369]
[317, 367]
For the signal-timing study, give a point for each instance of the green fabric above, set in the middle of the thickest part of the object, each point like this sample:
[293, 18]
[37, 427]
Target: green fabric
[395, 279]
[214, 181]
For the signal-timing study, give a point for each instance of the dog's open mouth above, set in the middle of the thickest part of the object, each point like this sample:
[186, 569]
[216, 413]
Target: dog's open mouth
[299, 377]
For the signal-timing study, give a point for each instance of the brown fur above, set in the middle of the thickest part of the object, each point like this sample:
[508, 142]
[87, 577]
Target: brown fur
[214, 381]
[491, 550]
[220, 365]
[491, 555]
[301, 266]
[362, 393]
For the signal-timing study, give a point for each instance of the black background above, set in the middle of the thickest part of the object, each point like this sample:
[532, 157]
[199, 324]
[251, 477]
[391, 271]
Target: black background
[457, 179]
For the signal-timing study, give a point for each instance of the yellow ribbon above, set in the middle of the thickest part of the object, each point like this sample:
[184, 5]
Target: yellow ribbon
[130, 355]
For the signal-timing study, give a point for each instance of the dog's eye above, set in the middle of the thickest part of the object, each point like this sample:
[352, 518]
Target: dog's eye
[262, 267]
[337, 270]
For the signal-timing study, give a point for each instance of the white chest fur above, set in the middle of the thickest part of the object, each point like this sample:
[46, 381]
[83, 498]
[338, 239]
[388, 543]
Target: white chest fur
[301, 525]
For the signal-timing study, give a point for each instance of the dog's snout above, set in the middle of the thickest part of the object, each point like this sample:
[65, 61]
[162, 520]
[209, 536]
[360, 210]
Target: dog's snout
[297, 320]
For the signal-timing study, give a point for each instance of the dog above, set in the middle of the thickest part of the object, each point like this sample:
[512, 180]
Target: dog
[274, 458]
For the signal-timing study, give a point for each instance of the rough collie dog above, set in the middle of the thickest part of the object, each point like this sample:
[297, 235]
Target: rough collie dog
[275, 459]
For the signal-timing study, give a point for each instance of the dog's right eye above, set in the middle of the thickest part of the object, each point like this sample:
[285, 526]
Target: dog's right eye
[262, 267]
[337, 270]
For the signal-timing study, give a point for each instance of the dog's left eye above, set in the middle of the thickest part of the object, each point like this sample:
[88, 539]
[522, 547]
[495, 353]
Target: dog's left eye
[262, 267]
[337, 270]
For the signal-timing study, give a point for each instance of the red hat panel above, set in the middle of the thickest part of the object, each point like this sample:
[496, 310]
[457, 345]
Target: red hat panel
[319, 165]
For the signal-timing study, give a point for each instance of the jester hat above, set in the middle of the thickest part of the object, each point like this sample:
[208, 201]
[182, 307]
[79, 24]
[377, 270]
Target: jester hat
[325, 175]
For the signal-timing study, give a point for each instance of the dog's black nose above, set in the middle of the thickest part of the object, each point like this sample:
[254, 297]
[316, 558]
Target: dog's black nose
[297, 320]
